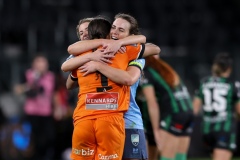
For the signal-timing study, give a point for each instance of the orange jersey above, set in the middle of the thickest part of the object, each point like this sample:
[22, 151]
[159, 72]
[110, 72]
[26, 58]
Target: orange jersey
[98, 95]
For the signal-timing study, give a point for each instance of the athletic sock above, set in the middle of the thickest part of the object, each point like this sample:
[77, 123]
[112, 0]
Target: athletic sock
[181, 156]
[164, 158]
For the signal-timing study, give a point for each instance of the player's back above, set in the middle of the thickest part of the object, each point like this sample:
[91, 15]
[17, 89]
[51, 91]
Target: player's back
[98, 95]
[183, 99]
[217, 94]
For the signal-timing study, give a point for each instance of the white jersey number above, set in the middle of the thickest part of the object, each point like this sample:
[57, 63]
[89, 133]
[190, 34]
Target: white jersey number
[215, 100]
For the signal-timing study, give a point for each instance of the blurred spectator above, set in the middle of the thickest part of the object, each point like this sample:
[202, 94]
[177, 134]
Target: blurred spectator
[38, 86]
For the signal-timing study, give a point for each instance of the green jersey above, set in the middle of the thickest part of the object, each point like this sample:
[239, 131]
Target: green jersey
[219, 96]
[171, 100]
[176, 113]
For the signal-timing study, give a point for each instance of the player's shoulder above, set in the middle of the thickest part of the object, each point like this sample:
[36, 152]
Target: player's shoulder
[205, 79]
[231, 81]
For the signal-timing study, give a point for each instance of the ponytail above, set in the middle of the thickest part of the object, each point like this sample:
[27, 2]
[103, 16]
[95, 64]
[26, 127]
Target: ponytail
[165, 70]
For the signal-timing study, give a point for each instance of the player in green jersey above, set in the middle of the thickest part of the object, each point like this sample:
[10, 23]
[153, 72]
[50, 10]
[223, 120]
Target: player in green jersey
[170, 108]
[219, 98]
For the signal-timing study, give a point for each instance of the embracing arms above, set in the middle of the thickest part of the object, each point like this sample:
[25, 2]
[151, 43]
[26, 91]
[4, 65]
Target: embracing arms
[110, 45]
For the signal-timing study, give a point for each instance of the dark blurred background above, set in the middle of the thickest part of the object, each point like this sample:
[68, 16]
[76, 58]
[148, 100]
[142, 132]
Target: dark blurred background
[189, 32]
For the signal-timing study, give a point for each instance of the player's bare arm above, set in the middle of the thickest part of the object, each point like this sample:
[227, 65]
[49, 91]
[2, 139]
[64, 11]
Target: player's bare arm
[154, 111]
[197, 103]
[128, 77]
[71, 83]
[99, 55]
[237, 106]
[111, 45]
[151, 49]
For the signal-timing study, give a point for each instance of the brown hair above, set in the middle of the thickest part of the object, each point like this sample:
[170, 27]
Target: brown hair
[81, 21]
[99, 27]
[221, 63]
[134, 29]
[165, 70]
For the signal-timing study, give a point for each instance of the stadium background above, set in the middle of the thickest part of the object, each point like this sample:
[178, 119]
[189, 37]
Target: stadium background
[189, 32]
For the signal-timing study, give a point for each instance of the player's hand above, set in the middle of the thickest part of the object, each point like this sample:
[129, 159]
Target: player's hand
[112, 46]
[122, 49]
[89, 67]
[101, 55]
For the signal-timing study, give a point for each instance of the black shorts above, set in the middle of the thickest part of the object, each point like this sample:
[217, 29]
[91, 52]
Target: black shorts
[180, 124]
[135, 144]
[224, 140]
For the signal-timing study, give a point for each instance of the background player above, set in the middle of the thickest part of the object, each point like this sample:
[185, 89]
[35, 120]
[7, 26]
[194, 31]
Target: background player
[219, 98]
[169, 107]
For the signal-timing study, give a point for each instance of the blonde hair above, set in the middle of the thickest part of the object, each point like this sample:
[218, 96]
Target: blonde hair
[81, 21]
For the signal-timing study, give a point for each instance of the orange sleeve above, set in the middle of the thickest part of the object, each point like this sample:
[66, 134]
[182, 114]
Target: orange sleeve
[135, 51]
